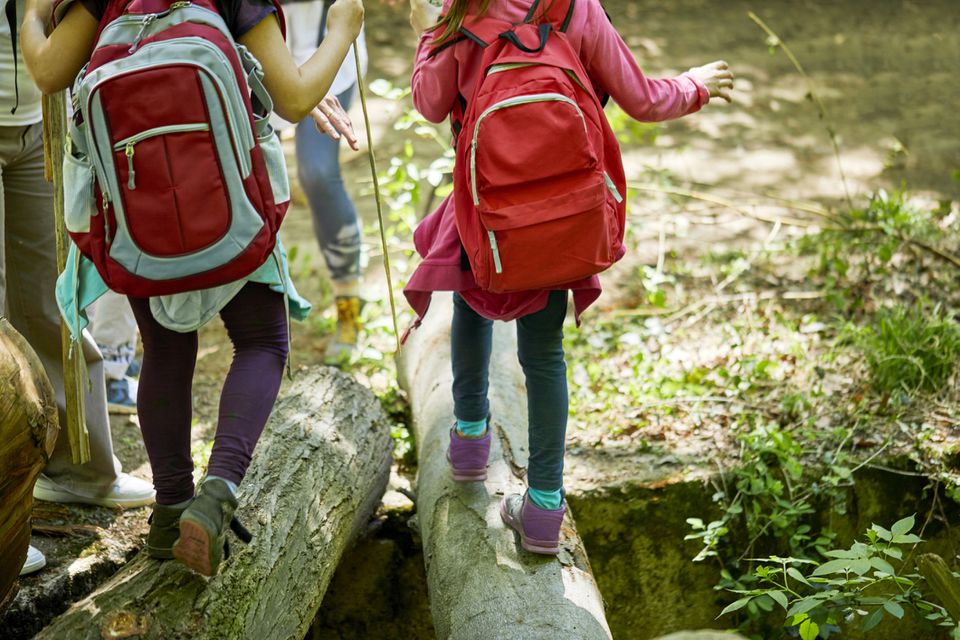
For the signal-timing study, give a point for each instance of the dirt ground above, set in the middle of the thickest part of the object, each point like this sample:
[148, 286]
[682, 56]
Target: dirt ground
[886, 71]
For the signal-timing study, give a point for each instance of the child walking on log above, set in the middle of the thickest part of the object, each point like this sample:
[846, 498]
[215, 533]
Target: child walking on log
[183, 525]
[536, 210]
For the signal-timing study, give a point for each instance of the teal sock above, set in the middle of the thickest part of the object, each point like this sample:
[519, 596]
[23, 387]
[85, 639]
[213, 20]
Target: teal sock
[230, 485]
[546, 499]
[471, 429]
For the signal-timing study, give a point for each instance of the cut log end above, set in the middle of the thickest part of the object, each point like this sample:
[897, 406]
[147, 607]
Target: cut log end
[28, 432]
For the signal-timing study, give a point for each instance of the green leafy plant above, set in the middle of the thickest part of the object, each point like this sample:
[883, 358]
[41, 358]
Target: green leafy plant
[858, 583]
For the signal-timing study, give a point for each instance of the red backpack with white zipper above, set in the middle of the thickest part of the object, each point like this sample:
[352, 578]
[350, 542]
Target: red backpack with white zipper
[174, 179]
[538, 176]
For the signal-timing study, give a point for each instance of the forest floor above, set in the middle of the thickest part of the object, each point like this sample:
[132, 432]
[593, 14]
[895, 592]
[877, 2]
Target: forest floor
[746, 301]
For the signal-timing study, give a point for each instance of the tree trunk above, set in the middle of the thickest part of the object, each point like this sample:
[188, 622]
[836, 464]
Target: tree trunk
[28, 431]
[481, 584]
[317, 476]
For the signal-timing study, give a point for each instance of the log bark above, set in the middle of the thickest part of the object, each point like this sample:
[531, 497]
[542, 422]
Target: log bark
[942, 582]
[481, 584]
[28, 432]
[317, 476]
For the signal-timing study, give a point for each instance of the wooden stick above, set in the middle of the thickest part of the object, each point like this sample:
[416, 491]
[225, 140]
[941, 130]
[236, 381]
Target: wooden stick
[74, 367]
[376, 192]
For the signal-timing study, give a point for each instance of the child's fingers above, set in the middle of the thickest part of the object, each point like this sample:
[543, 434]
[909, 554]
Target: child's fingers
[323, 123]
[339, 118]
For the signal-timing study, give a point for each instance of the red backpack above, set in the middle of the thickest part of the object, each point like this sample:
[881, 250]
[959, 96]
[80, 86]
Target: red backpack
[173, 180]
[538, 176]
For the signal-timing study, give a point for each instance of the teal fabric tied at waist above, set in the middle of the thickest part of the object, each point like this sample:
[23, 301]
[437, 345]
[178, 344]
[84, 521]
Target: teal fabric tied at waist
[80, 285]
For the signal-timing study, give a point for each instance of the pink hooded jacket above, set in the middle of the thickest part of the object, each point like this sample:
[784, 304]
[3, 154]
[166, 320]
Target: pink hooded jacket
[439, 80]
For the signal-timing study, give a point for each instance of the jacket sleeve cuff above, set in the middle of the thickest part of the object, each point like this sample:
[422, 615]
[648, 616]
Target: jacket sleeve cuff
[703, 94]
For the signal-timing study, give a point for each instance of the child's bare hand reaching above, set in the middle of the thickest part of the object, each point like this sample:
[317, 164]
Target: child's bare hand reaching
[332, 119]
[717, 77]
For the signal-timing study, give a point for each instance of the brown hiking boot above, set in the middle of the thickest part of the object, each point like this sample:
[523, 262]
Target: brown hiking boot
[203, 527]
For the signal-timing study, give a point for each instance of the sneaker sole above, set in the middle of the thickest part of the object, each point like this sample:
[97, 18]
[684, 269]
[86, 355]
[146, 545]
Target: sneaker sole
[467, 475]
[529, 544]
[193, 547]
[29, 569]
[63, 497]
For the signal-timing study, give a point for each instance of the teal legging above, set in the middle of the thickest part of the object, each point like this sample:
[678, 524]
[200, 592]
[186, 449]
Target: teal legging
[540, 349]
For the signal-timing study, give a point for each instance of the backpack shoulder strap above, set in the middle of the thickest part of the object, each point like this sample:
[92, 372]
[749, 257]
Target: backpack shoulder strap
[556, 12]
[483, 30]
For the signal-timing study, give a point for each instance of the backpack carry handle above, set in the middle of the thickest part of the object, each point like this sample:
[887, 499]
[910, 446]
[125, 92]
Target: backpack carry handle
[544, 31]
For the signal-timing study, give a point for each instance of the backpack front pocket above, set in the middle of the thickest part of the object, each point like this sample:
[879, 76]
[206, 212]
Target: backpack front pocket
[170, 177]
[560, 239]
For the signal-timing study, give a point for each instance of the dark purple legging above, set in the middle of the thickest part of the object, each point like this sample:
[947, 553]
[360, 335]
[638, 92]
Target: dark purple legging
[256, 324]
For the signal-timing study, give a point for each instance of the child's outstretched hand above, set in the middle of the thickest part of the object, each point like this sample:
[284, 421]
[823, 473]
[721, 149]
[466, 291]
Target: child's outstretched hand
[717, 77]
[346, 17]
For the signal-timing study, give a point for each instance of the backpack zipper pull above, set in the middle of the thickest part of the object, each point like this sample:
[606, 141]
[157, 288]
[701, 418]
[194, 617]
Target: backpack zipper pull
[497, 265]
[147, 19]
[106, 220]
[131, 174]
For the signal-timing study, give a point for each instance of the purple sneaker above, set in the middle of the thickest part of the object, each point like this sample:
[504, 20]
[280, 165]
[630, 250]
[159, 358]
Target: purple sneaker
[468, 456]
[539, 529]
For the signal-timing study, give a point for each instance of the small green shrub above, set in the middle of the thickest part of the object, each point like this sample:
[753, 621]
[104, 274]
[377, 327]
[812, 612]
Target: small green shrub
[856, 583]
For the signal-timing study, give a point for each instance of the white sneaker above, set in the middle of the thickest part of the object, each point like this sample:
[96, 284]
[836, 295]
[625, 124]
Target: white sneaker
[35, 561]
[126, 491]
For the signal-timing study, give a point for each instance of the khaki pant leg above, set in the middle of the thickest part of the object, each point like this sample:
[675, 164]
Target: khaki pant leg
[31, 272]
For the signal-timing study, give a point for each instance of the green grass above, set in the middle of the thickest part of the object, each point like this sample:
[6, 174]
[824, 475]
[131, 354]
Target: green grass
[908, 349]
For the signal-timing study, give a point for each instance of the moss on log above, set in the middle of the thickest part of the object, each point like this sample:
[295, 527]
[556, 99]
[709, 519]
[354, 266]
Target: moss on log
[317, 476]
[481, 584]
[28, 431]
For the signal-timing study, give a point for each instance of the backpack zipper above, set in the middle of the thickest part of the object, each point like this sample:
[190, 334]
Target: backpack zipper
[148, 19]
[612, 187]
[144, 24]
[509, 66]
[503, 104]
[497, 266]
[129, 144]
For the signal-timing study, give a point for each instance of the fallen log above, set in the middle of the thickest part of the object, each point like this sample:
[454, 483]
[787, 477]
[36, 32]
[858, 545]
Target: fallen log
[481, 584]
[28, 432]
[317, 476]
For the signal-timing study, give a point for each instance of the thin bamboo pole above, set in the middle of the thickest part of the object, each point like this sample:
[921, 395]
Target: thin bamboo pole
[74, 369]
[376, 191]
